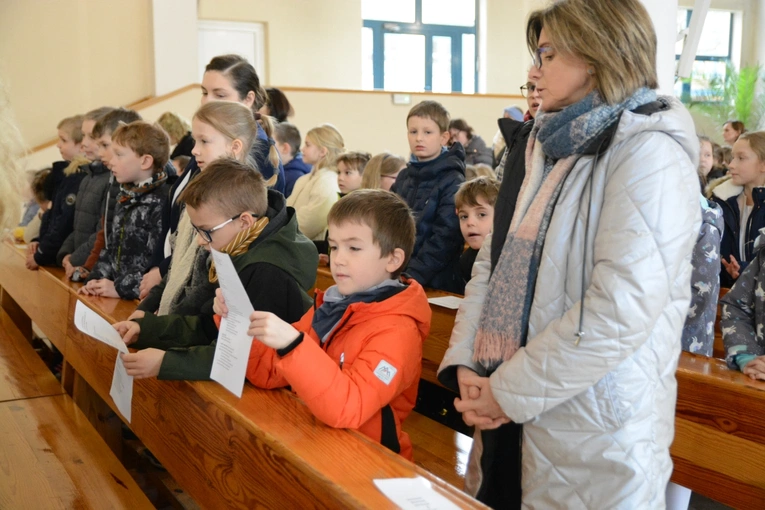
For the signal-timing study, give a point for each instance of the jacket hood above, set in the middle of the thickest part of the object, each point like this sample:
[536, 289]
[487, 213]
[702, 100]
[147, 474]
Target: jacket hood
[282, 245]
[451, 159]
[410, 302]
[673, 119]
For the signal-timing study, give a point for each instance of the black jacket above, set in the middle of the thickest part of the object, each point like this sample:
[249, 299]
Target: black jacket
[58, 222]
[184, 147]
[516, 135]
[429, 188]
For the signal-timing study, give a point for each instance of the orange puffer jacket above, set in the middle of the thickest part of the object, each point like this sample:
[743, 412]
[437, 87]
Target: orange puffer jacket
[365, 376]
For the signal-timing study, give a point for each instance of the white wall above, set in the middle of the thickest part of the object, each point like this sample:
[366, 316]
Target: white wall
[175, 44]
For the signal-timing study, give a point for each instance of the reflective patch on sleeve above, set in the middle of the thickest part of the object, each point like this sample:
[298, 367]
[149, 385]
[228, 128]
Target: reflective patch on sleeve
[385, 371]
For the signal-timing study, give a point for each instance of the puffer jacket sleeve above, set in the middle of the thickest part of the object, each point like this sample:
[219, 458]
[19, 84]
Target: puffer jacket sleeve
[649, 220]
[67, 247]
[61, 224]
[438, 250]
[740, 327]
[460, 352]
[348, 397]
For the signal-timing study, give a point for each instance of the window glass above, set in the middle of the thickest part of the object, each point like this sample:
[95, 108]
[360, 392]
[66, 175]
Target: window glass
[715, 36]
[367, 59]
[404, 62]
[388, 10]
[468, 63]
[459, 13]
[442, 64]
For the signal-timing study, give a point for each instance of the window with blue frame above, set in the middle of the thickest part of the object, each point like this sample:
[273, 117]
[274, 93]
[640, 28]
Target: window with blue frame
[714, 54]
[419, 45]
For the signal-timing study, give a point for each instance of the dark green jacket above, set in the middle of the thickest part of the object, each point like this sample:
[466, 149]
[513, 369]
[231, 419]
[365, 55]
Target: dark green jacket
[277, 271]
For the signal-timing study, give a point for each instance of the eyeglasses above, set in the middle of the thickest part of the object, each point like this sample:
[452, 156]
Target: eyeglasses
[207, 234]
[538, 55]
[528, 89]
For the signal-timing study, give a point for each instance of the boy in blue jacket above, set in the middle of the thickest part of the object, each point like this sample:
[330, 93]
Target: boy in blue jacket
[428, 185]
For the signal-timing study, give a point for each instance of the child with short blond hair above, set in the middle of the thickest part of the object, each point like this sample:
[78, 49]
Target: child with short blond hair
[475, 201]
[66, 175]
[355, 357]
[139, 155]
[428, 185]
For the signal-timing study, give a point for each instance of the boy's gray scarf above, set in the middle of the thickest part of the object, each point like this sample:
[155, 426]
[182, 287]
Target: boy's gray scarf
[563, 137]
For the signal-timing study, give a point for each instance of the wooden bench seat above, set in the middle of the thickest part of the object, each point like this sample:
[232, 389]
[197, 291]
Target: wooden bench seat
[439, 449]
[51, 457]
[22, 373]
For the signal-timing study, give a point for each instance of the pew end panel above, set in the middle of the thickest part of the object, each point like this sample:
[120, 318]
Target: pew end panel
[719, 447]
[42, 294]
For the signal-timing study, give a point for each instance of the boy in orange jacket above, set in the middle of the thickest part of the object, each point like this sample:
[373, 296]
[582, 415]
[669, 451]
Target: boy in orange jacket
[355, 357]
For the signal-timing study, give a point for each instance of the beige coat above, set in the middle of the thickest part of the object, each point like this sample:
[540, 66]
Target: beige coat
[312, 197]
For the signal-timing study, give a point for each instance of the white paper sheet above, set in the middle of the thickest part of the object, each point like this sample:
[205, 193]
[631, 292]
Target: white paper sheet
[232, 350]
[413, 494]
[122, 389]
[93, 325]
[452, 302]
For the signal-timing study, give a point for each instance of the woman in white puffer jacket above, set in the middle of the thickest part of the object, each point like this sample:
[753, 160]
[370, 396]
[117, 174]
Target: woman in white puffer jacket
[567, 342]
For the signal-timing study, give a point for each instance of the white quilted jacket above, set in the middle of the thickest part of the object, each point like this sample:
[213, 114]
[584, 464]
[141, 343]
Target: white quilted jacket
[599, 417]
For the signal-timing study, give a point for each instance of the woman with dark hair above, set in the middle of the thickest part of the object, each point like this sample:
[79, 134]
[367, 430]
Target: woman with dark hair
[475, 148]
[565, 346]
[277, 106]
[732, 130]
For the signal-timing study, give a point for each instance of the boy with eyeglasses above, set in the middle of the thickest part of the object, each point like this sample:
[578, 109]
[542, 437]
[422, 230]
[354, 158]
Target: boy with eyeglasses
[231, 211]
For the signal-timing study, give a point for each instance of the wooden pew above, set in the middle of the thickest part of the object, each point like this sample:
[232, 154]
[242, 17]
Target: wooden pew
[55, 457]
[22, 373]
[57, 460]
[43, 295]
[263, 449]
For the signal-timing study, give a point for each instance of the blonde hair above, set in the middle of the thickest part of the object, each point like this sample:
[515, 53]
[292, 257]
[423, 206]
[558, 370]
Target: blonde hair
[175, 126]
[11, 176]
[355, 160]
[756, 141]
[616, 38]
[73, 127]
[327, 137]
[479, 170]
[381, 164]
[233, 120]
